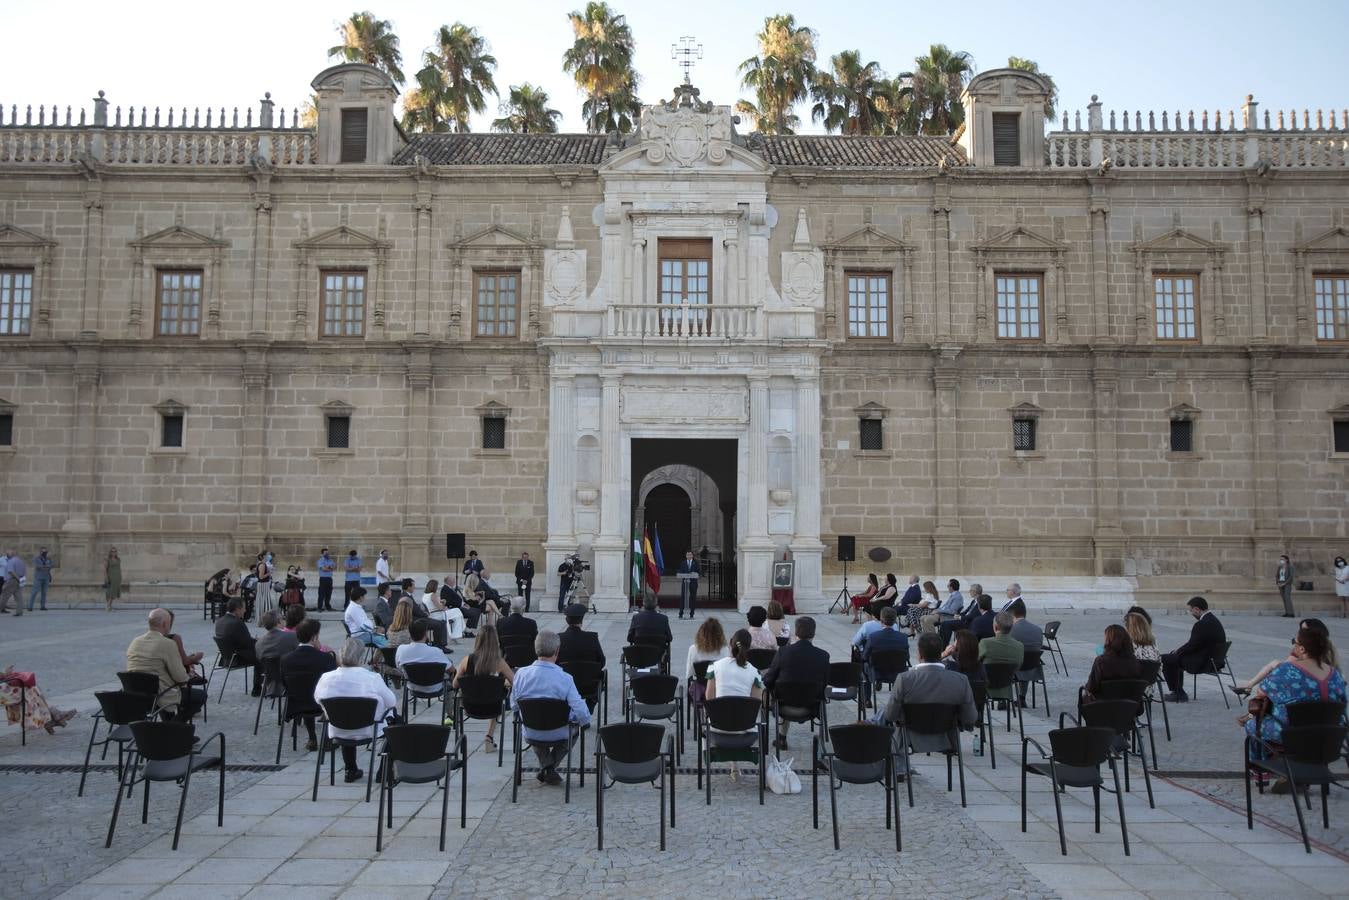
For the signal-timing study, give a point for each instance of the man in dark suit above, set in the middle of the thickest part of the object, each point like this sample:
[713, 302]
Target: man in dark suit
[516, 623]
[912, 595]
[798, 662]
[451, 595]
[688, 587]
[233, 636]
[1208, 641]
[524, 577]
[982, 625]
[930, 682]
[887, 637]
[308, 659]
[578, 645]
[649, 622]
[965, 617]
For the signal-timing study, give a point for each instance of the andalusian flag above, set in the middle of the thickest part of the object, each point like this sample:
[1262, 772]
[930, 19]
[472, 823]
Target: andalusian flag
[636, 564]
[652, 573]
[655, 540]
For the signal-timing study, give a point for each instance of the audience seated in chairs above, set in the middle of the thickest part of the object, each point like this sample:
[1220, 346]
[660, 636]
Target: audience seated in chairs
[486, 660]
[982, 624]
[1002, 648]
[963, 656]
[576, 644]
[962, 620]
[421, 650]
[776, 623]
[359, 624]
[275, 641]
[1116, 662]
[649, 622]
[709, 645]
[882, 639]
[398, 633]
[190, 660]
[761, 637]
[545, 680]
[451, 597]
[517, 624]
[155, 652]
[930, 682]
[800, 662]
[236, 643]
[308, 658]
[351, 680]
[1032, 638]
[1205, 646]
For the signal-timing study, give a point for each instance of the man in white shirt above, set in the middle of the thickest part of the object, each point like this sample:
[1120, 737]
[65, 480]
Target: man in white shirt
[382, 575]
[352, 680]
[420, 650]
[358, 622]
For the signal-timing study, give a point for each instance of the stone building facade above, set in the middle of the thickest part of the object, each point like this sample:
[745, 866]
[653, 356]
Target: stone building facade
[1102, 355]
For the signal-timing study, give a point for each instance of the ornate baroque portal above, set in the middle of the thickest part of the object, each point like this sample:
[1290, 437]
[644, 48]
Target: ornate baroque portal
[651, 350]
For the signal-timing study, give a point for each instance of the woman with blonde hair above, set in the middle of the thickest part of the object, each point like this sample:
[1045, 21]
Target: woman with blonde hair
[486, 659]
[1145, 643]
[398, 633]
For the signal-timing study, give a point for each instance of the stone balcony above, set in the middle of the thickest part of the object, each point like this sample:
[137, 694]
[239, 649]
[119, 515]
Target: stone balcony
[685, 321]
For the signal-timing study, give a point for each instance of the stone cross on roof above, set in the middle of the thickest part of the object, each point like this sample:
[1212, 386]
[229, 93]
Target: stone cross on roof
[686, 53]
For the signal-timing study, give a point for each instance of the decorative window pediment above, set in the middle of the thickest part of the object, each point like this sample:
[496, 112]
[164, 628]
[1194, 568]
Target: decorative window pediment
[171, 407]
[1339, 412]
[1180, 242]
[1025, 410]
[495, 237]
[869, 249]
[342, 237]
[336, 408]
[1019, 240]
[1183, 411]
[494, 409]
[1336, 240]
[868, 239]
[177, 237]
[496, 248]
[12, 237]
[871, 410]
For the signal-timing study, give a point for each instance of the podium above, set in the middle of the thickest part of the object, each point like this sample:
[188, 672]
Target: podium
[688, 591]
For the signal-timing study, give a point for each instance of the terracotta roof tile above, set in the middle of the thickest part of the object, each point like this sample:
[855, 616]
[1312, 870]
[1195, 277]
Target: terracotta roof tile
[854, 151]
[504, 149]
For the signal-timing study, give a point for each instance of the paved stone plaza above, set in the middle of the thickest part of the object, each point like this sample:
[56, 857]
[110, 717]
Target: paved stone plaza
[275, 841]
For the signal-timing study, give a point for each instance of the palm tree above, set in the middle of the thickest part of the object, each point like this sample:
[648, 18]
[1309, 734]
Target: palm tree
[1030, 65]
[366, 39]
[936, 84]
[853, 98]
[527, 112]
[780, 75]
[601, 62]
[455, 77]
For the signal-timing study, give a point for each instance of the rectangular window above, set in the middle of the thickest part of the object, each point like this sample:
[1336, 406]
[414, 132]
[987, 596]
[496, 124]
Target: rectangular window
[16, 301]
[1176, 299]
[1018, 298]
[6, 429]
[178, 299]
[1341, 435]
[868, 304]
[872, 435]
[685, 270]
[496, 303]
[1023, 434]
[1182, 436]
[339, 432]
[171, 430]
[343, 313]
[1006, 139]
[353, 135]
[1332, 307]
[493, 433]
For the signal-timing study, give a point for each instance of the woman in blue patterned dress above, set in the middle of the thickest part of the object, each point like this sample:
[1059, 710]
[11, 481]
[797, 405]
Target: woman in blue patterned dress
[1308, 675]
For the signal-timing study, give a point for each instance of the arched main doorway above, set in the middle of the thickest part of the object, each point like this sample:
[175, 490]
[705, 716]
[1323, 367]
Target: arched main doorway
[670, 509]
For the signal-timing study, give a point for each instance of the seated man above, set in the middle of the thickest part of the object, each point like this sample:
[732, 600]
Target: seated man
[950, 608]
[234, 637]
[546, 680]
[1207, 642]
[578, 645]
[517, 623]
[276, 641]
[982, 625]
[155, 652]
[930, 682]
[912, 594]
[965, 617]
[386, 600]
[434, 618]
[308, 658]
[799, 662]
[449, 591]
[353, 679]
[420, 650]
[650, 623]
[1032, 637]
[1001, 649]
[870, 625]
[359, 624]
[489, 593]
[886, 637]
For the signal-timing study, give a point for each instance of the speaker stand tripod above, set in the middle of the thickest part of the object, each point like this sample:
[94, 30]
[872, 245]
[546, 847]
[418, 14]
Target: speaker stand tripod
[843, 595]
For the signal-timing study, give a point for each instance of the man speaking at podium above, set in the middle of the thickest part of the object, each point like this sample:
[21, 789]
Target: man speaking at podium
[688, 584]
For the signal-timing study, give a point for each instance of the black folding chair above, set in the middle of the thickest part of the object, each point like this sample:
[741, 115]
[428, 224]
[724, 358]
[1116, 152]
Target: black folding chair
[348, 714]
[273, 688]
[761, 658]
[426, 681]
[1002, 687]
[658, 640]
[422, 754]
[931, 728]
[657, 698]
[1074, 760]
[167, 751]
[696, 689]
[229, 660]
[1121, 716]
[1032, 672]
[592, 683]
[1053, 648]
[545, 714]
[388, 668]
[630, 753]
[845, 685]
[796, 701]
[1216, 668]
[297, 703]
[514, 640]
[733, 730]
[1136, 691]
[638, 659]
[1152, 674]
[886, 667]
[1303, 757]
[117, 710]
[483, 697]
[861, 753]
[518, 656]
[984, 723]
[148, 683]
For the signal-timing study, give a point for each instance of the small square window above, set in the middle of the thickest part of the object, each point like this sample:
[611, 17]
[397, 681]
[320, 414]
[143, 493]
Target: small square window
[1341, 435]
[171, 430]
[339, 432]
[493, 433]
[7, 430]
[1182, 436]
[872, 436]
[1023, 434]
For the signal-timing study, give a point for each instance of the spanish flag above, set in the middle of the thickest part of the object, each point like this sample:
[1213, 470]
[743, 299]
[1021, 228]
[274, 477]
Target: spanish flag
[652, 573]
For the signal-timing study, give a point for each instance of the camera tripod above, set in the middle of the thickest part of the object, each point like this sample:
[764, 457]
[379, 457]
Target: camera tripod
[577, 592]
[843, 595]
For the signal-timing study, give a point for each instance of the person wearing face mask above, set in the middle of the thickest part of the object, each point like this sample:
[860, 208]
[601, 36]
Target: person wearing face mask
[1283, 580]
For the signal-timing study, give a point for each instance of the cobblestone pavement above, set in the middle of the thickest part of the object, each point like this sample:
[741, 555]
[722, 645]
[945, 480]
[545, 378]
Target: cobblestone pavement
[276, 841]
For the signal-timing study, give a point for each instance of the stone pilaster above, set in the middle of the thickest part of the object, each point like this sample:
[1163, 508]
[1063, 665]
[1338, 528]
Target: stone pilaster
[262, 252]
[807, 549]
[251, 530]
[1108, 536]
[561, 538]
[1266, 530]
[1255, 249]
[1102, 327]
[941, 257]
[421, 310]
[756, 550]
[415, 535]
[79, 529]
[91, 304]
[611, 548]
[947, 541]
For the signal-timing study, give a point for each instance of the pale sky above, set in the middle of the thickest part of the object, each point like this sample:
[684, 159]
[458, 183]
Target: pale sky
[1144, 54]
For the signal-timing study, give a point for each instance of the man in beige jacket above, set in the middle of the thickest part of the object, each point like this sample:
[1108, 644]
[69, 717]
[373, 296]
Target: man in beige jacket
[156, 652]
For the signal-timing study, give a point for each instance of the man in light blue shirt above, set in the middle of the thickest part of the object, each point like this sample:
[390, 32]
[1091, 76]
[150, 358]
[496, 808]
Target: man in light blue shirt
[955, 602]
[546, 680]
[42, 578]
[352, 566]
[872, 624]
[326, 567]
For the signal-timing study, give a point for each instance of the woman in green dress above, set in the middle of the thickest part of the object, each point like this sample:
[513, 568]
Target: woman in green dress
[112, 578]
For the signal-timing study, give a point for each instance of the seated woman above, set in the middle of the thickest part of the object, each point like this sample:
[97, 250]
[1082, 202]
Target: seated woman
[887, 594]
[733, 676]
[1116, 662]
[1140, 632]
[913, 616]
[709, 644]
[860, 601]
[777, 623]
[761, 636]
[1308, 675]
[963, 656]
[189, 659]
[398, 629]
[486, 659]
[25, 704]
